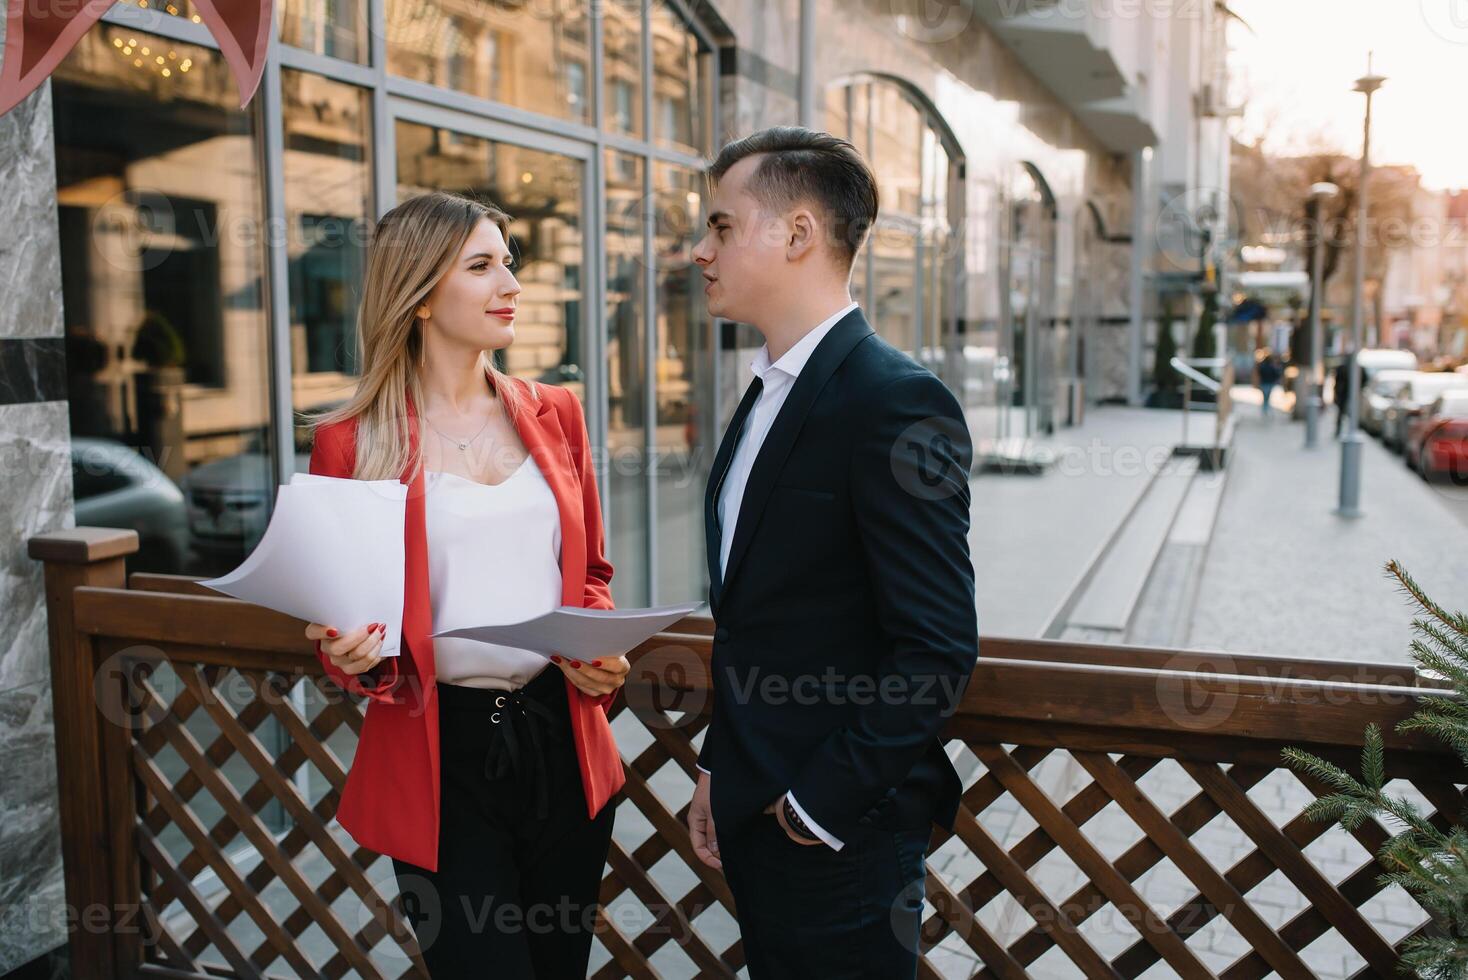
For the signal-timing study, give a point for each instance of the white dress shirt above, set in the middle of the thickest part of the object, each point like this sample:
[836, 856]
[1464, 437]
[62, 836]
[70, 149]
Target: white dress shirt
[777, 380]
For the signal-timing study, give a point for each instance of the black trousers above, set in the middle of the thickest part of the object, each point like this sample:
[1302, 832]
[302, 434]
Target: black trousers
[519, 862]
[807, 911]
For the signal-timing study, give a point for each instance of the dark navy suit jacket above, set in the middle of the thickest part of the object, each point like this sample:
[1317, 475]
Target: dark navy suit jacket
[846, 629]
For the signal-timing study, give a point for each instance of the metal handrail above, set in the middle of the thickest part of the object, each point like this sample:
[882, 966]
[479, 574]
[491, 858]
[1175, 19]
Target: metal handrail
[1187, 367]
[1186, 370]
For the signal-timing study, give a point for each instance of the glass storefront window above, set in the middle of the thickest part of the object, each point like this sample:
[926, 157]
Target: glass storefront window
[534, 57]
[902, 276]
[626, 479]
[208, 418]
[328, 202]
[542, 192]
[622, 64]
[1027, 327]
[163, 260]
[894, 288]
[681, 84]
[335, 28]
[897, 141]
[174, 8]
[684, 377]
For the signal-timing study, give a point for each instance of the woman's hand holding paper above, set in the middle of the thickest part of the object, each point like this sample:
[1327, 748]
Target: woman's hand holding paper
[595, 678]
[355, 652]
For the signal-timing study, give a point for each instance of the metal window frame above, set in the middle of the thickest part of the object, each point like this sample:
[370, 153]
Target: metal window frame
[394, 98]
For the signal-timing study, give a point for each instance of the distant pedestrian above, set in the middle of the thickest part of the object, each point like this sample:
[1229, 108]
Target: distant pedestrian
[1342, 390]
[1269, 371]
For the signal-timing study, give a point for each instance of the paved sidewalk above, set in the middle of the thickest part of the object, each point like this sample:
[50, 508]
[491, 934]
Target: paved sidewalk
[1286, 575]
[1033, 536]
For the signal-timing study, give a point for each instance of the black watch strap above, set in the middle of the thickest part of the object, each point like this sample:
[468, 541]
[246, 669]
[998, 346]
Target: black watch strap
[792, 817]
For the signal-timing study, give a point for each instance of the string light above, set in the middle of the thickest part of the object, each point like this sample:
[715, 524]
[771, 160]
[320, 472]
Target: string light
[159, 62]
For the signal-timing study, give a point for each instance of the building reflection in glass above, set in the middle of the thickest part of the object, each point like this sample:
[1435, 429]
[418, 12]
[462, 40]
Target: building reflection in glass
[626, 483]
[684, 438]
[335, 28]
[542, 191]
[328, 200]
[534, 56]
[903, 276]
[681, 83]
[622, 64]
[162, 255]
[1027, 340]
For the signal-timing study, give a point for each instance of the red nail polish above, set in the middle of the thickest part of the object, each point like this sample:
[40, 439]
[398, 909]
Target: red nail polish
[555, 659]
[596, 663]
[576, 664]
[331, 632]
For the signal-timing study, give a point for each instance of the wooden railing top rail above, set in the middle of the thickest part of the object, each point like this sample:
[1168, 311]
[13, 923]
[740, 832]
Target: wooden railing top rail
[1188, 697]
[1051, 651]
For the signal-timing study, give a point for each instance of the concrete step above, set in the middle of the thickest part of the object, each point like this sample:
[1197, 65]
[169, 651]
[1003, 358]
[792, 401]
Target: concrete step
[1165, 610]
[1109, 594]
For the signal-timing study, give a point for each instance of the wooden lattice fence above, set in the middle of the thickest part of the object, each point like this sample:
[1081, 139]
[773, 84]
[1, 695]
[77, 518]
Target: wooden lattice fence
[1125, 809]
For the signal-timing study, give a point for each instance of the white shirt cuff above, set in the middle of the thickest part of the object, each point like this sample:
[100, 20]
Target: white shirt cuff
[702, 769]
[820, 831]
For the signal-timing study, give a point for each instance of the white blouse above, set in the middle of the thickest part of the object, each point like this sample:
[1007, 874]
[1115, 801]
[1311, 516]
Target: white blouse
[493, 557]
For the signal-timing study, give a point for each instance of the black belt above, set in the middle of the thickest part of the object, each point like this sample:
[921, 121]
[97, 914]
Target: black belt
[527, 721]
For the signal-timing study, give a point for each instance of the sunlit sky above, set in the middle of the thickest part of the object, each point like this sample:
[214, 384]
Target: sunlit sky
[1296, 70]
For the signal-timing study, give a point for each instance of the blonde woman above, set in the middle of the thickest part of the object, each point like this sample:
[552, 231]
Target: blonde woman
[485, 772]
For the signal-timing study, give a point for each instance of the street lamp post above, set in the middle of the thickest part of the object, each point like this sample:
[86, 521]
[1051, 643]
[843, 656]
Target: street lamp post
[1319, 193]
[1350, 488]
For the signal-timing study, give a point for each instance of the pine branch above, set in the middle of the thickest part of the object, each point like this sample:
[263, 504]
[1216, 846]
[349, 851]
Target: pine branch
[1457, 623]
[1428, 862]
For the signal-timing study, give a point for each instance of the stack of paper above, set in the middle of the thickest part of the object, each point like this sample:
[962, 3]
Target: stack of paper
[333, 553]
[577, 633]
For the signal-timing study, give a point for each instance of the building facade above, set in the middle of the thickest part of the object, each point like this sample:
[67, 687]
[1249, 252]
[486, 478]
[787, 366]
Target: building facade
[184, 273]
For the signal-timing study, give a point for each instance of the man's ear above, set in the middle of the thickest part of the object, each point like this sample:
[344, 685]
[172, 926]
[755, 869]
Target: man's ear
[803, 235]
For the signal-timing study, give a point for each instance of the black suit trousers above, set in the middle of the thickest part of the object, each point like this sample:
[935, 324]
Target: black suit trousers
[813, 911]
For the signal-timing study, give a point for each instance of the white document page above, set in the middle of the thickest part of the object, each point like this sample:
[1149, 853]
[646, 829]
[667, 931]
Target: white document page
[333, 553]
[581, 634]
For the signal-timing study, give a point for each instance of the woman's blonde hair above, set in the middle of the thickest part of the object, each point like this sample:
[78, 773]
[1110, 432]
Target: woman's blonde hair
[413, 246]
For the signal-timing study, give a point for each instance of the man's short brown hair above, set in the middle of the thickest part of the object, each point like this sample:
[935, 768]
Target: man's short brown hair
[806, 166]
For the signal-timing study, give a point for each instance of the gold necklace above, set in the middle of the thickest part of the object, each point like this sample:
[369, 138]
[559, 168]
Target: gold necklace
[463, 445]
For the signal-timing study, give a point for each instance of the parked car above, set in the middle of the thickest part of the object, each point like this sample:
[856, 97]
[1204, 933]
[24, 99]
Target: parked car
[1379, 395]
[229, 502]
[115, 486]
[1412, 401]
[229, 499]
[1374, 359]
[1437, 440]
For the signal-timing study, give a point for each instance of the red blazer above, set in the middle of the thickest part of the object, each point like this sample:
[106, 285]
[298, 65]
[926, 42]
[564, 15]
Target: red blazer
[391, 800]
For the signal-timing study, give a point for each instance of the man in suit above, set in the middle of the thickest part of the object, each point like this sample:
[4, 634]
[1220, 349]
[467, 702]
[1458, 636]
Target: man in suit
[1341, 384]
[836, 521]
